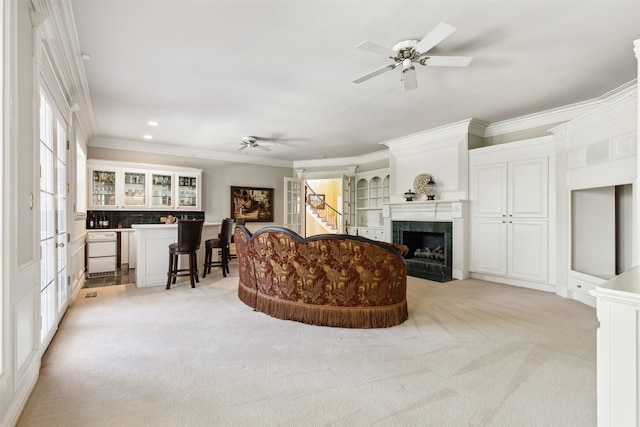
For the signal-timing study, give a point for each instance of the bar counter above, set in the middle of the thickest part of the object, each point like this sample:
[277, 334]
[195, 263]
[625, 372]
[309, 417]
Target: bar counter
[152, 249]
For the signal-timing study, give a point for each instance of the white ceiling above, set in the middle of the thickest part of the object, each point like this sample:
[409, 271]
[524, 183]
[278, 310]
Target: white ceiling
[211, 72]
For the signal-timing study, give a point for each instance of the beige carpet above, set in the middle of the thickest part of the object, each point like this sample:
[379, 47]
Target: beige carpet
[472, 353]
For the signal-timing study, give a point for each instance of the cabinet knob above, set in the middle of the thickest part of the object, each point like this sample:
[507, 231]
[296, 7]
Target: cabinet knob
[580, 286]
[59, 245]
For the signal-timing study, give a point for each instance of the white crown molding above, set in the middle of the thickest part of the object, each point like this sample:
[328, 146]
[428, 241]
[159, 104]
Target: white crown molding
[616, 99]
[558, 115]
[173, 150]
[63, 47]
[376, 156]
[543, 118]
[452, 130]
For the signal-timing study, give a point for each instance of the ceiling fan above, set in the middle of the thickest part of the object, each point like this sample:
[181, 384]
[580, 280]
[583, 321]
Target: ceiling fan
[254, 142]
[409, 52]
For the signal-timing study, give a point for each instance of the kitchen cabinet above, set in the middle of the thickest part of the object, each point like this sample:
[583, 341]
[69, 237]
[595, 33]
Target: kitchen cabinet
[373, 233]
[141, 186]
[161, 186]
[372, 190]
[187, 192]
[135, 190]
[510, 211]
[102, 187]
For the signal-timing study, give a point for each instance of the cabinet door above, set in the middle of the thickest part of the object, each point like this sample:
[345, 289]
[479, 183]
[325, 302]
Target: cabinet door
[161, 185]
[134, 188]
[103, 188]
[528, 250]
[529, 188]
[489, 246]
[188, 191]
[490, 190]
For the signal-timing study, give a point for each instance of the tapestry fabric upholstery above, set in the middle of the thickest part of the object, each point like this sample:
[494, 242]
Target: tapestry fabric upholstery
[329, 279]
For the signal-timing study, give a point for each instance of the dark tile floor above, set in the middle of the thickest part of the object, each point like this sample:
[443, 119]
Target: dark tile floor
[123, 276]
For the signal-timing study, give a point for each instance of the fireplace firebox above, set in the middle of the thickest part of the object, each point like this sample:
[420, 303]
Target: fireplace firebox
[430, 246]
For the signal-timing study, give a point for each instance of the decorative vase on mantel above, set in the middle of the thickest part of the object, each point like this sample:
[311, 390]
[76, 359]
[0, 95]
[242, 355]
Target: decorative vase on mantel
[424, 184]
[409, 195]
[430, 189]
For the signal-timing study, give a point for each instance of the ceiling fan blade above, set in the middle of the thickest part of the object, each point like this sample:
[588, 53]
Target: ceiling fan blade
[448, 61]
[409, 79]
[244, 147]
[260, 147]
[375, 73]
[441, 32]
[376, 48]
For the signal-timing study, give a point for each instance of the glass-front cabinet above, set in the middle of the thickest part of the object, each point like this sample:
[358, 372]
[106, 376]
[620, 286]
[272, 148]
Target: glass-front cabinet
[187, 192]
[135, 191]
[139, 186]
[103, 188]
[161, 190]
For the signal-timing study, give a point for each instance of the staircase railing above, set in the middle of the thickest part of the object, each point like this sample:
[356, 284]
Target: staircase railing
[327, 214]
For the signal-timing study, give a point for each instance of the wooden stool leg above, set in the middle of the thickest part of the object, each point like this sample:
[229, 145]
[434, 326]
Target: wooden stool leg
[206, 260]
[224, 263]
[169, 272]
[175, 268]
[191, 269]
[195, 273]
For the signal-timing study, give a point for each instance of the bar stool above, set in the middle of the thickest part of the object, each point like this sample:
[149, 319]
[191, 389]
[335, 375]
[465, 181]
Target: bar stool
[239, 221]
[221, 243]
[189, 237]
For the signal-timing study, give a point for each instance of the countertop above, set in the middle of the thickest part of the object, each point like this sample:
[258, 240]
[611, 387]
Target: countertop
[102, 230]
[625, 286]
[164, 226]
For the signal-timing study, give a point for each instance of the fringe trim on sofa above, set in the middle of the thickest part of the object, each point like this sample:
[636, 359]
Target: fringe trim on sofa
[247, 295]
[326, 315]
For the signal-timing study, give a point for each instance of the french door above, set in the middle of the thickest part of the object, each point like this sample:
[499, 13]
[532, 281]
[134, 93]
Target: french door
[348, 208]
[294, 205]
[53, 218]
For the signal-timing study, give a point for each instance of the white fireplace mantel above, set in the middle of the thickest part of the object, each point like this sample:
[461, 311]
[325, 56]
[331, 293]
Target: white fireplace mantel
[454, 211]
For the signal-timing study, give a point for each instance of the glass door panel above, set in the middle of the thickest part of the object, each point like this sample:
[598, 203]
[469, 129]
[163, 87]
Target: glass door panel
[294, 205]
[187, 191]
[53, 218]
[161, 190]
[103, 188]
[134, 189]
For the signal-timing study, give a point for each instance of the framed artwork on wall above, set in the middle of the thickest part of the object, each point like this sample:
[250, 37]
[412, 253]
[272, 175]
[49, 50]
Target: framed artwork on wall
[317, 201]
[252, 204]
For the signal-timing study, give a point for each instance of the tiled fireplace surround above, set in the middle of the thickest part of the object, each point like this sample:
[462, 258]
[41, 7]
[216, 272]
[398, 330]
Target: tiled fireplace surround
[447, 217]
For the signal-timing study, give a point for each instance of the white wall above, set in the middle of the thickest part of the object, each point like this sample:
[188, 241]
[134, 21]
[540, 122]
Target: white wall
[20, 296]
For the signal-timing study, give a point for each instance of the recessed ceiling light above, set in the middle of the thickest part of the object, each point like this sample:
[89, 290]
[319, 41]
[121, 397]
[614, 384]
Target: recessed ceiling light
[86, 56]
[147, 136]
[152, 123]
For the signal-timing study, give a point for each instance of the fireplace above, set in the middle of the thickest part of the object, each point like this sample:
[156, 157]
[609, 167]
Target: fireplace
[449, 217]
[430, 246]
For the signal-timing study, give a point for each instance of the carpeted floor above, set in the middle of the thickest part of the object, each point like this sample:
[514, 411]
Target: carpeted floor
[472, 353]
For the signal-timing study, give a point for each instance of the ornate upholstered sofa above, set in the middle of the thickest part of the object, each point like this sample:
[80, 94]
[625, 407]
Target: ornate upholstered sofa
[329, 279]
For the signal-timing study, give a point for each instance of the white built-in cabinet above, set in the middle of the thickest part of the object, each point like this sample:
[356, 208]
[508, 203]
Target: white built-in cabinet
[510, 194]
[372, 190]
[136, 186]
